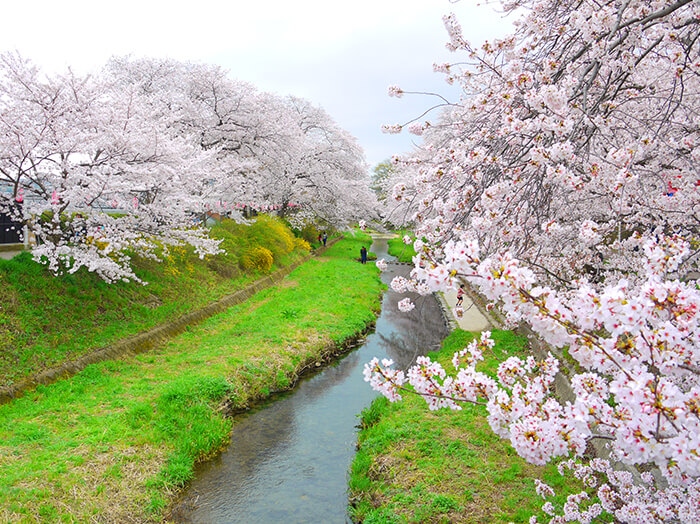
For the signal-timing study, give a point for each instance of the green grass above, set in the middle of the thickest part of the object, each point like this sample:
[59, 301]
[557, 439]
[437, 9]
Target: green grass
[113, 442]
[414, 465]
[45, 320]
[397, 248]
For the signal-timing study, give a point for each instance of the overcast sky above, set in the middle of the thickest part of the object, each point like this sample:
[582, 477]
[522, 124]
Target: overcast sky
[339, 55]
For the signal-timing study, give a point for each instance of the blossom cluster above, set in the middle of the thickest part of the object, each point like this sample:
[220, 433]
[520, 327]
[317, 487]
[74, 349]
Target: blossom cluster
[395, 91]
[554, 191]
[430, 379]
[392, 129]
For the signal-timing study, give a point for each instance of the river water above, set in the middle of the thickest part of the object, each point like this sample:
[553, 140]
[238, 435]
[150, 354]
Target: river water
[288, 459]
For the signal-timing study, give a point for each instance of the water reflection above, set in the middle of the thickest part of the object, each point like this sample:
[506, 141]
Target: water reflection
[413, 333]
[287, 461]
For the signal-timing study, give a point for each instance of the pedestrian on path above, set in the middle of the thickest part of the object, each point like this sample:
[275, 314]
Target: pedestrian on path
[325, 237]
[363, 254]
[460, 295]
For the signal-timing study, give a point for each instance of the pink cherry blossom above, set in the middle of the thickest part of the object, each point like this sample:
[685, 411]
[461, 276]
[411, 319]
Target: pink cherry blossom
[405, 305]
[552, 188]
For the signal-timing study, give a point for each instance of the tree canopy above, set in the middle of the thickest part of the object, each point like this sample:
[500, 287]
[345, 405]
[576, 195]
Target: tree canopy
[564, 185]
[128, 160]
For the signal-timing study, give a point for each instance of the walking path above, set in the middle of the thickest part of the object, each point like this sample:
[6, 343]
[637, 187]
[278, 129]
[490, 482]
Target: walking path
[8, 251]
[472, 319]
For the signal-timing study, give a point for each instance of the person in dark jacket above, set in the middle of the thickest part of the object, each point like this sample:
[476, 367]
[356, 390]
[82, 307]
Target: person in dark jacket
[363, 254]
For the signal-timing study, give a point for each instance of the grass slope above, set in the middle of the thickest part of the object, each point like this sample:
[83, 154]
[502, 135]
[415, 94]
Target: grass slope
[397, 248]
[113, 442]
[417, 465]
[45, 320]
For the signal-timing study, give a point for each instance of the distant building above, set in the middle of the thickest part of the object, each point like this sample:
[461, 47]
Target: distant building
[10, 231]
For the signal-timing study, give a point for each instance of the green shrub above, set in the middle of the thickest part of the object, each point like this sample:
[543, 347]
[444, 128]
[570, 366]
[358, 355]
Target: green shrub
[239, 239]
[280, 239]
[309, 233]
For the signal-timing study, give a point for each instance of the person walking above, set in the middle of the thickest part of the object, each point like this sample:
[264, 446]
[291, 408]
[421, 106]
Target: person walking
[460, 295]
[325, 237]
[363, 254]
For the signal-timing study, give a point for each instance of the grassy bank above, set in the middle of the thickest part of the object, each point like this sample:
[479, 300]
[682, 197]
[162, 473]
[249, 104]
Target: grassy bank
[112, 443]
[397, 248]
[414, 465]
[45, 320]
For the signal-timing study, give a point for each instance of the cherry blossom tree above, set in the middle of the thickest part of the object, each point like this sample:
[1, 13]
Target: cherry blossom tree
[271, 153]
[329, 177]
[381, 174]
[131, 159]
[564, 185]
[91, 173]
[230, 120]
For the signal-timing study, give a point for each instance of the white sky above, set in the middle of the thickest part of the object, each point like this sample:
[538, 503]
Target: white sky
[339, 55]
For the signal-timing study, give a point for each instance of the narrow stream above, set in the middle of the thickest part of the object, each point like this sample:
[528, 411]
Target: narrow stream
[288, 460]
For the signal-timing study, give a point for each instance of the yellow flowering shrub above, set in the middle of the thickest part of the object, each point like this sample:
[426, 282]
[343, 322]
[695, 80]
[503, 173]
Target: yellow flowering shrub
[300, 243]
[257, 257]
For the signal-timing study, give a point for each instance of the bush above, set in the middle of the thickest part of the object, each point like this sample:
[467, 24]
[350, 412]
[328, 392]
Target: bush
[280, 240]
[259, 258]
[309, 233]
[267, 231]
[301, 244]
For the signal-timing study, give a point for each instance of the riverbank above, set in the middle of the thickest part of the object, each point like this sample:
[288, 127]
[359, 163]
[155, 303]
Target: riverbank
[47, 321]
[398, 248]
[471, 316]
[417, 465]
[114, 442]
[288, 461]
